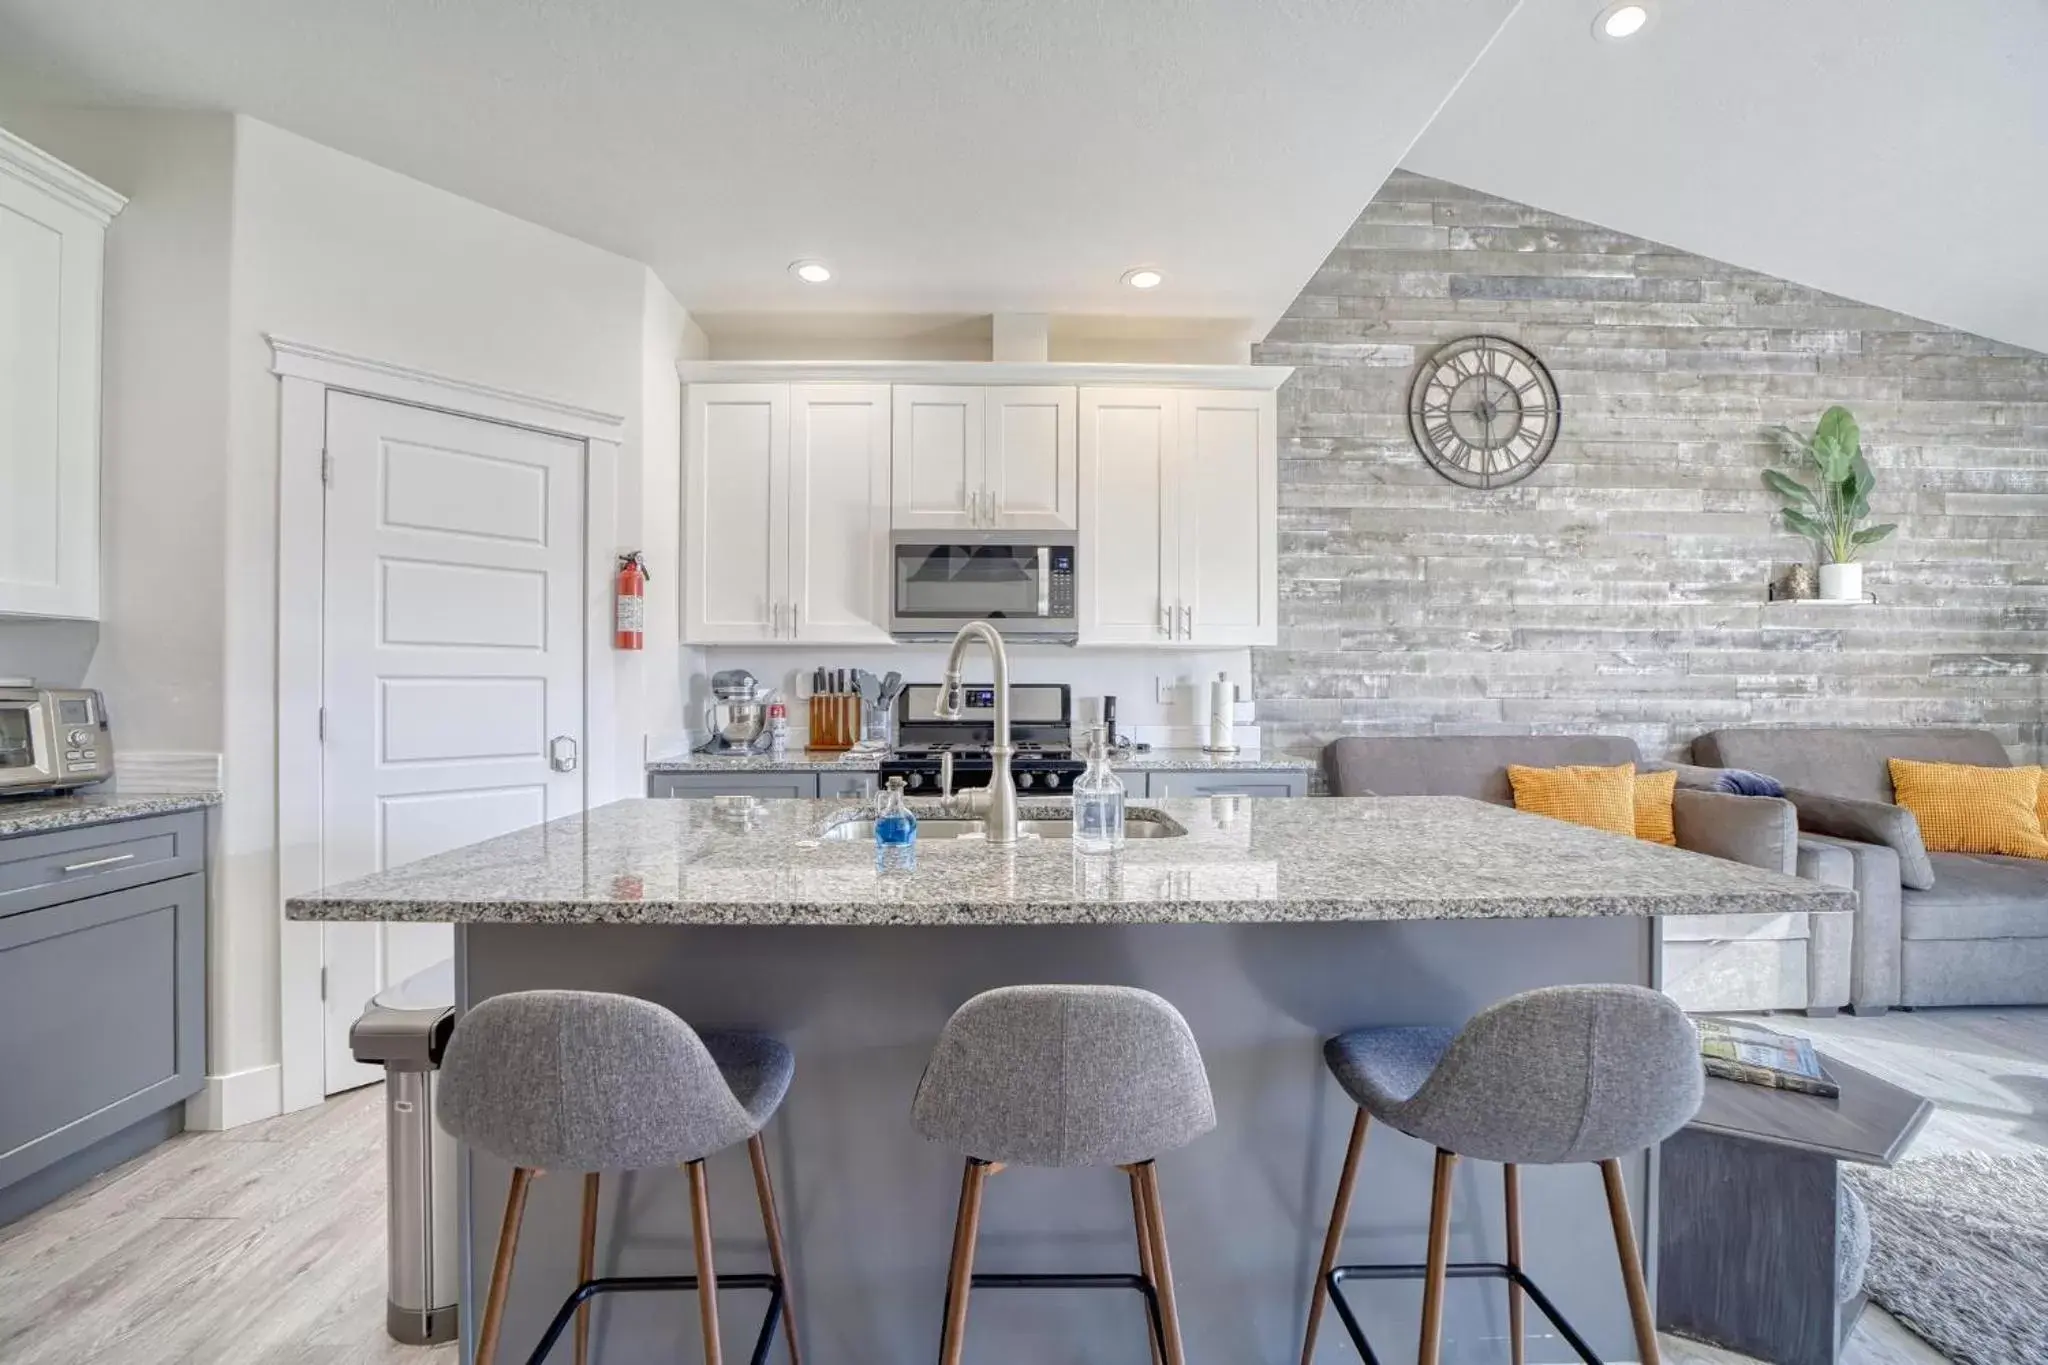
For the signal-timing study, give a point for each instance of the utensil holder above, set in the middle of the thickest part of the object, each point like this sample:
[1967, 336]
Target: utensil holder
[835, 721]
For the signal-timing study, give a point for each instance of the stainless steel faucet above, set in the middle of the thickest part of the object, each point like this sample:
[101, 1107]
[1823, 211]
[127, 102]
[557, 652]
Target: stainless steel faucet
[996, 803]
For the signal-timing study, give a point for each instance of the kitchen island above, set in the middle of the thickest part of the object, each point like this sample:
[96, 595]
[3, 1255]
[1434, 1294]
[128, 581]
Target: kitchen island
[1270, 923]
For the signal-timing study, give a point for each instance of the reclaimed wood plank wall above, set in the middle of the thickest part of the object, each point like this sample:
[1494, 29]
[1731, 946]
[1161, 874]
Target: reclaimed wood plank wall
[1621, 589]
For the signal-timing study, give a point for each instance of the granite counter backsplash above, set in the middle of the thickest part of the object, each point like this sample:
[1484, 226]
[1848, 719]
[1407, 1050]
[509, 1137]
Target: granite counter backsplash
[1242, 861]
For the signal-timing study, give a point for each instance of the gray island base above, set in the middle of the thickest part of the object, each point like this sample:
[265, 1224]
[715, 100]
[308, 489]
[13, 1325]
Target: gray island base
[1271, 925]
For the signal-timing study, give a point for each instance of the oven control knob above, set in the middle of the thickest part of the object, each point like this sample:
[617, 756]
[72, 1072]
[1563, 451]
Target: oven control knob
[914, 780]
[1023, 779]
[80, 738]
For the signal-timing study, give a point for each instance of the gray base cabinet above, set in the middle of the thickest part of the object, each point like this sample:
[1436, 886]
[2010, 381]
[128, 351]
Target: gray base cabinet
[1167, 784]
[102, 985]
[797, 786]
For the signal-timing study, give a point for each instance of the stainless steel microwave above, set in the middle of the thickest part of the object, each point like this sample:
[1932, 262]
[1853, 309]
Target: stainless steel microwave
[53, 737]
[1021, 582]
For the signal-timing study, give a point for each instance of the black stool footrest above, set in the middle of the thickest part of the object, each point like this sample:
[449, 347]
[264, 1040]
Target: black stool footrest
[1059, 1280]
[1457, 1270]
[642, 1284]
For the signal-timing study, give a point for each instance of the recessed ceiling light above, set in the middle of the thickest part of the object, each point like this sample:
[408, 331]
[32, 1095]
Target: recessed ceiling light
[811, 272]
[1144, 277]
[1621, 21]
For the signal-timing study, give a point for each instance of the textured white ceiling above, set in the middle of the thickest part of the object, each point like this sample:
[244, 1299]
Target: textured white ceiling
[952, 156]
[1891, 151]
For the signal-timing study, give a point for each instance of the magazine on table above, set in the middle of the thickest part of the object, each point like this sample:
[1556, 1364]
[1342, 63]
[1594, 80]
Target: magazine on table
[1738, 1050]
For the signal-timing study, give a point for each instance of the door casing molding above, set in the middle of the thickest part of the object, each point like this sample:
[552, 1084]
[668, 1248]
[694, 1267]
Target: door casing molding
[307, 374]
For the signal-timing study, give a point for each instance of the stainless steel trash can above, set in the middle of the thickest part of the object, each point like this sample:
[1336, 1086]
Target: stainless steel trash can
[404, 1030]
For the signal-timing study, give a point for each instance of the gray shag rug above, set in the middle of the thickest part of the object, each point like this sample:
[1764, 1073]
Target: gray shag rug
[1959, 1253]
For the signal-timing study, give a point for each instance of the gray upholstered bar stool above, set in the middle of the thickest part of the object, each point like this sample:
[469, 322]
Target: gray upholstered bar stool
[1562, 1074]
[592, 1082]
[1065, 1076]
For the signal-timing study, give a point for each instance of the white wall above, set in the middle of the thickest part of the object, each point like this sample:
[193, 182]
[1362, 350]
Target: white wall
[334, 251]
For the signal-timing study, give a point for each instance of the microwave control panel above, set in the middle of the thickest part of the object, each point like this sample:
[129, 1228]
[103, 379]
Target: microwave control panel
[1060, 593]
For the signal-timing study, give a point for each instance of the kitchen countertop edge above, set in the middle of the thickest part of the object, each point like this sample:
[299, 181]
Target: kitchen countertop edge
[41, 815]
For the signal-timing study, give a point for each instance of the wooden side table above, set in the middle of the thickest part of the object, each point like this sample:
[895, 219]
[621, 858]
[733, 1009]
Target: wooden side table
[1747, 1223]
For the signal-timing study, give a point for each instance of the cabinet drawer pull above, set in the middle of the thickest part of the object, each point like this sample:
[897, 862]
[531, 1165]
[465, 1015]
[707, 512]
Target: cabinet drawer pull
[101, 862]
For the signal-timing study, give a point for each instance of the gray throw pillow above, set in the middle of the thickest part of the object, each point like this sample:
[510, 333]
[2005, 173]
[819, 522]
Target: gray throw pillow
[1868, 822]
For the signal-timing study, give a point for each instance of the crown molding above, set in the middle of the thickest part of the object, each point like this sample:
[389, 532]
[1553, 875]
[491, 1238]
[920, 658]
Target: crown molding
[407, 384]
[1261, 377]
[25, 161]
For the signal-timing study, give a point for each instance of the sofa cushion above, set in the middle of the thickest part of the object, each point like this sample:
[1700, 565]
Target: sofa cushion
[1868, 822]
[1459, 765]
[1582, 794]
[1977, 896]
[1966, 809]
[1654, 795]
[1843, 760]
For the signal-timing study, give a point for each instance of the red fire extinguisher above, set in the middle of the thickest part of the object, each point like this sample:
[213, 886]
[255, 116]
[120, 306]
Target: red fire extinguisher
[631, 615]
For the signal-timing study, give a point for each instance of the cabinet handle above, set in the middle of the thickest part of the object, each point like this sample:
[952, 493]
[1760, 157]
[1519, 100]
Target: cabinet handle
[775, 620]
[1187, 623]
[794, 603]
[1166, 620]
[100, 862]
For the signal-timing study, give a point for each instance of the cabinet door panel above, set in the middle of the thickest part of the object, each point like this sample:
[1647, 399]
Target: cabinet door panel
[1029, 462]
[839, 512]
[1130, 550]
[704, 786]
[1163, 786]
[1226, 479]
[50, 257]
[936, 471]
[736, 506]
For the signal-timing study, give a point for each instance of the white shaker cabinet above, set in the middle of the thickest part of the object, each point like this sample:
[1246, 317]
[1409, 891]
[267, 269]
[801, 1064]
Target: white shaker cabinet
[1179, 517]
[785, 513]
[53, 224]
[984, 458]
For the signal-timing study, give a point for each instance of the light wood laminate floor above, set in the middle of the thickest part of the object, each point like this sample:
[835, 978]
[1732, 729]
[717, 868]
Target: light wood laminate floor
[265, 1245]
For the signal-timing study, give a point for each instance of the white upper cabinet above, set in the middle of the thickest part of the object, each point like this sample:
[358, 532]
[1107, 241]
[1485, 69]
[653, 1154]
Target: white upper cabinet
[839, 512]
[1180, 538]
[53, 224]
[969, 457]
[785, 513]
[936, 474]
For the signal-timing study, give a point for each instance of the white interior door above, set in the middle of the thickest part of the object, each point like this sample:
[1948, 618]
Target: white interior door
[1029, 463]
[736, 513]
[1229, 538]
[1130, 551]
[936, 473]
[839, 512]
[453, 656]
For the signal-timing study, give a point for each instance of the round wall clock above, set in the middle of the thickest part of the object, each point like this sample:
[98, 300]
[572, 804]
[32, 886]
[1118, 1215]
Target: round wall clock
[1483, 411]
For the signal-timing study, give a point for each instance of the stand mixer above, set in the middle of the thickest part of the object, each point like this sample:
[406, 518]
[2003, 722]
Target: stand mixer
[738, 715]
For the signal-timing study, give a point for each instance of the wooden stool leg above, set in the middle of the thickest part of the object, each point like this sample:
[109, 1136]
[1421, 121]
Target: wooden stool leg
[771, 1223]
[1162, 1264]
[501, 1269]
[1631, 1263]
[1340, 1213]
[586, 1266]
[1511, 1178]
[707, 1275]
[1439, 1258]
[1147, 1268]
[966, 1227]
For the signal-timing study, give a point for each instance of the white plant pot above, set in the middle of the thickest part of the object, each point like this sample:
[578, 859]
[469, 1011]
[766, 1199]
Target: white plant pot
[1841, 582]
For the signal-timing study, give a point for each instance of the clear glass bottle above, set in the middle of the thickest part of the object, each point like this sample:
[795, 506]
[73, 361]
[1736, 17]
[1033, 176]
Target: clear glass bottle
[1098, 801]
[895, 831]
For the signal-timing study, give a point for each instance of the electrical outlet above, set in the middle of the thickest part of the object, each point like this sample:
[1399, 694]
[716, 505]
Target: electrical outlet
[1166, 687]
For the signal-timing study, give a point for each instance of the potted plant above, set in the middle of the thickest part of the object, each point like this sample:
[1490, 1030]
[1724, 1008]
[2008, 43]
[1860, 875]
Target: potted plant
[1831, 513]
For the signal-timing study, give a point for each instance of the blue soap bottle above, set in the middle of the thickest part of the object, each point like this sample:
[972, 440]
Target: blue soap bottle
[895, 831]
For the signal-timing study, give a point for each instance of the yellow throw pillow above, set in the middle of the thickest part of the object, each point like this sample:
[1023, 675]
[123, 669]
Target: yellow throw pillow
[1604, 798]
[1966, 809]
[1654, 795]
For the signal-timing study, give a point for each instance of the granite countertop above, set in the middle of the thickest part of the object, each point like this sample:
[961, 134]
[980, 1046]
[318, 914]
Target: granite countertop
[1243, 860]
[807, 761]
[40, 814]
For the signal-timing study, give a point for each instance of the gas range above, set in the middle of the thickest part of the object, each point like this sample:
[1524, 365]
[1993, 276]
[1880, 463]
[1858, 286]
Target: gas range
[1041, 738]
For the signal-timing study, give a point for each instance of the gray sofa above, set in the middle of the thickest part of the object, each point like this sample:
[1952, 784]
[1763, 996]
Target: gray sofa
[1715, 962]
[1934, 929]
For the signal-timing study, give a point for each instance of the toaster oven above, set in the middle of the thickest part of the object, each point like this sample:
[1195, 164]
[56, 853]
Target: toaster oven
[52, 737]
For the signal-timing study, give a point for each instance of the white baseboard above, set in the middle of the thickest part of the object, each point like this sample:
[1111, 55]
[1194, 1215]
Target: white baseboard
[237, 1097]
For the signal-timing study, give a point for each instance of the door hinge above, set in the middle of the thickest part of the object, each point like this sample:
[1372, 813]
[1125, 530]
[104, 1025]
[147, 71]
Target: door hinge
[323, 723]
[326, 468]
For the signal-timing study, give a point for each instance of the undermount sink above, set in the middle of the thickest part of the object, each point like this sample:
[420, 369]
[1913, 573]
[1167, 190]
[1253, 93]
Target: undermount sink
[1137, 825]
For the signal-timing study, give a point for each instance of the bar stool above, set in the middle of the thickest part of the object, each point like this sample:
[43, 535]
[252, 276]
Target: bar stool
[1562, 1074]
[1065, 1076]
[592, 1082]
